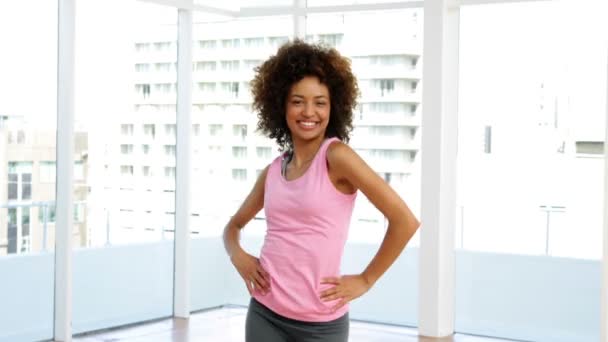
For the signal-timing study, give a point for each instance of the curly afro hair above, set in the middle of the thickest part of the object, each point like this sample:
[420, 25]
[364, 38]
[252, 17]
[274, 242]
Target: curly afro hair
[294, 61]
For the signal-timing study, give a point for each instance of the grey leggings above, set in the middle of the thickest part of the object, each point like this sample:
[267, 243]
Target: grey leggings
[263, 325]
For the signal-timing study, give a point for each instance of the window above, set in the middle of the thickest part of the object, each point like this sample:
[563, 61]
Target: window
[215, 129]
[149, 130]
[162, 46]
[230, 43]
[145, 170]
[170, 172]
[126, 149]
[331, 39]
[126, 129]
[239, 152]
[264, 152]
[143, 90]
[164, 88]
[142, 67]
[207, 44]
[166, 67]
[251, 64]
[206, 66]
[126, 170]
[142, 47]
[169, 150]
[386, 86]
[207, 87]
[13, 186]
[275, 42]
[196, 130]
[254, 42]
[231, 89]
[46, 213]
[239, 175]
[239, 131]
[171, 130]
[230, 65]
[145, 149]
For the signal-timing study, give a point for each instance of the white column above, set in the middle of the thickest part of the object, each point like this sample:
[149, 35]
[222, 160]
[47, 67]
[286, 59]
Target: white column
[65, 165]
[299, 21]
[439, 140]
[604, 295]
[181, 285]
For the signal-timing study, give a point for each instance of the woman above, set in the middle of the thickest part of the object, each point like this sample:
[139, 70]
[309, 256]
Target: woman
[305, 96]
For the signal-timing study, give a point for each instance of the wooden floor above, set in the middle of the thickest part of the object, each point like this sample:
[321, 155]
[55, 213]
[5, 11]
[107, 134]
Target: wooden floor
[227, 325]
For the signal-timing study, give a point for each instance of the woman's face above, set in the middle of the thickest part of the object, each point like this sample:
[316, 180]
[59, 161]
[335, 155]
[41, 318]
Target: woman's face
[307, 109]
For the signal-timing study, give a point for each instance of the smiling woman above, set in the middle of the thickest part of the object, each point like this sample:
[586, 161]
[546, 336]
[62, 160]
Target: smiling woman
[305, 96]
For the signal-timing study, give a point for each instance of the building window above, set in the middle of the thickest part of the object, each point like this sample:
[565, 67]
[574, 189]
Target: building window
[230, 65]
[331, 39]
[206, 87]
[145, 149]
[143, 90]
[46, 213]
[149, 130]
[239, 152]
[126, 170]
[239, 131]
[263, 152]
[275, 42]
[215, 129]
[142, 47]
[386, 86]
[206, 66]
[196, 130]
[145, 170]
[13, 186]
[239, 175]
[254, 42]
[142, 67]
[170, 150]
[169, 172]
[126, 129]
[207, 44]
[126, 149]
[162, 67]
[162, 46]
[231, 89]
[230, 43]
[171, 130]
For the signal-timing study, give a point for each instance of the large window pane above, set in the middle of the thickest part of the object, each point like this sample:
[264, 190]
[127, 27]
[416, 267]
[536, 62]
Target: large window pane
[28, 120]
[124, 173]
[228, 153]
[531, 132]
[385, 49]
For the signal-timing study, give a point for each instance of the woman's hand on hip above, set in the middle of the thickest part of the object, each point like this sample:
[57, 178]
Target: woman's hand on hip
[254, 276]
[346, 288]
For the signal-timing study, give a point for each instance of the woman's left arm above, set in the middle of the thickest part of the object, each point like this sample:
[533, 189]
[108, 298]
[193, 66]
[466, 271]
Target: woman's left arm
[346, 165]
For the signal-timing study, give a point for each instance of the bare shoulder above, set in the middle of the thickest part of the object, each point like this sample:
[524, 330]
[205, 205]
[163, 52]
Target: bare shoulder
[340, 154]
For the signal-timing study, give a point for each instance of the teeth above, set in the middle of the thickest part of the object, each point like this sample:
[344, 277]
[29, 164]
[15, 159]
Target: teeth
[309, 124]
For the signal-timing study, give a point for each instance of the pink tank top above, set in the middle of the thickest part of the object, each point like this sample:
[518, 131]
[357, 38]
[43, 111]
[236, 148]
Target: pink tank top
[307, 226]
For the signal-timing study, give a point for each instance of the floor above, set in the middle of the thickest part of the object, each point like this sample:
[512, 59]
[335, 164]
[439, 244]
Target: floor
[227, 325]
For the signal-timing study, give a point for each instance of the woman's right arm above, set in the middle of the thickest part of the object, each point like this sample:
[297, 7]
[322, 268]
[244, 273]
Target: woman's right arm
[248, 266]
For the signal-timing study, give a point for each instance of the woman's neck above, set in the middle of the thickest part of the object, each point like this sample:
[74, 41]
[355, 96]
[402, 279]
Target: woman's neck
[304, 151]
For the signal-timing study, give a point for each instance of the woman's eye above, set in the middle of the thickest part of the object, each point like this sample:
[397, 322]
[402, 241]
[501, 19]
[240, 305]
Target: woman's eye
[321, 104]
